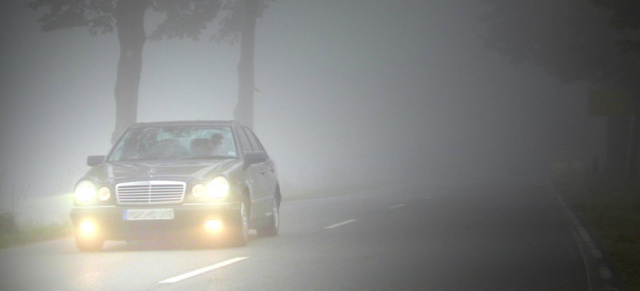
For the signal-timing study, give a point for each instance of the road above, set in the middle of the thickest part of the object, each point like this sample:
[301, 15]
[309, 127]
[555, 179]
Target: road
[401, 237]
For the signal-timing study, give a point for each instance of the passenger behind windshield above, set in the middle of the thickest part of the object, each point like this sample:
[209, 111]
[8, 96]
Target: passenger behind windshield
[207, 147]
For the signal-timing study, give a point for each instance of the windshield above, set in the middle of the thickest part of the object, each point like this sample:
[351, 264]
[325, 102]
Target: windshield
[175, 142]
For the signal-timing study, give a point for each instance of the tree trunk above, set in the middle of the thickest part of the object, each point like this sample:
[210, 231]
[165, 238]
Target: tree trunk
[634, 143]
[617, 144]
[131, 35]
[244, 108]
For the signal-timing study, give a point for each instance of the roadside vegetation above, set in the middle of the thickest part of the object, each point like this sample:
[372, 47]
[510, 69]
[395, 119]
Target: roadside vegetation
[13, 233]
[610, 208]
[31, 234]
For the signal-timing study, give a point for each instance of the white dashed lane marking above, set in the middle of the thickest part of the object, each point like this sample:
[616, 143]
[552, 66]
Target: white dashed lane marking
[396, 206]
[339, 224]
[202, 270]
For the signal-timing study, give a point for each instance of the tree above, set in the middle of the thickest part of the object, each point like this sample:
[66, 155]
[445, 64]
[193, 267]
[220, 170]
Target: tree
[240, 22]
[184, 18]
[626, 19]
[246, 82]
[577, 40]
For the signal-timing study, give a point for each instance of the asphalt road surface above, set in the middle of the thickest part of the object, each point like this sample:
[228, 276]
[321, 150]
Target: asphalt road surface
[394, 238]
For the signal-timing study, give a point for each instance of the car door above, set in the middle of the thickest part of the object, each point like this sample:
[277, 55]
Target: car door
[253, 172]
[265, 187]
[269, 167]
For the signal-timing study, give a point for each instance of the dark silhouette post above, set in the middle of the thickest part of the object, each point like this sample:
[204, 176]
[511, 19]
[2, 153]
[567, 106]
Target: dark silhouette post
[130, 26]
[634, 143]
[185, 18]
[244, 108]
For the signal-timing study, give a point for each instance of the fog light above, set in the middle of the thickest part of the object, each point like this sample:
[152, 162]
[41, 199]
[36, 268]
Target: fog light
[104, 194]
[213, 225]
[87, 228]
[198, 191]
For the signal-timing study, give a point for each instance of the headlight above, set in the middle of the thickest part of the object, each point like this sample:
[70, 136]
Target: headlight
[85, 192]
[218, 188]
[198, 191]
[104, 194]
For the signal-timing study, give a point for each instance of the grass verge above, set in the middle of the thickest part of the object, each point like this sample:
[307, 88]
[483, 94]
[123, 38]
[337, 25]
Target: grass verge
[12, 235]
[611, 210]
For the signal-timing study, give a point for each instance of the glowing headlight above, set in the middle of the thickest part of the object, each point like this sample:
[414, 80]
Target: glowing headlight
[85, 192]
[104, 194]
[218, 187]
[198, 191]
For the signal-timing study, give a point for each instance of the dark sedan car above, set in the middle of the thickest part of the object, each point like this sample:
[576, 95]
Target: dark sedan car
[208, 180]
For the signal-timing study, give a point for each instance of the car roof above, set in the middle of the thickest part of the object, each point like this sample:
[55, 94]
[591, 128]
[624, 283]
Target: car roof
[188, 122]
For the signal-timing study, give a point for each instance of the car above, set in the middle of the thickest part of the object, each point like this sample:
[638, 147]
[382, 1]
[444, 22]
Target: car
[209, 181]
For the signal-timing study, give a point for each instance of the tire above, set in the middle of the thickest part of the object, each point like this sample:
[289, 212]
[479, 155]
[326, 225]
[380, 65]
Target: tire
[273, 224]
[239, 228]
[89, 244]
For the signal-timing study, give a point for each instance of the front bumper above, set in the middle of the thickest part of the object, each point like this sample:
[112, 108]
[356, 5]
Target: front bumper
[188, 219]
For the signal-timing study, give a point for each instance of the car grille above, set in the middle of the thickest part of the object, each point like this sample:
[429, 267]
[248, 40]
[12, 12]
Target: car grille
[150, 192]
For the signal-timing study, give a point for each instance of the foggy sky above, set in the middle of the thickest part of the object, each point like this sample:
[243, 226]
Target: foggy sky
[349, 91]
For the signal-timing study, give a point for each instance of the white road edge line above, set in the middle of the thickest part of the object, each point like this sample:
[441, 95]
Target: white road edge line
[201, 270]
[576, 238]
[339, 224]
[396, 206]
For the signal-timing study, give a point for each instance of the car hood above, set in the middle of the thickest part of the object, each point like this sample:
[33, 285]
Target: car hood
[190, 169]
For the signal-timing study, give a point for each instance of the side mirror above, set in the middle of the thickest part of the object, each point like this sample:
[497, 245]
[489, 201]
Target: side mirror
[251, 158]
[95, 160]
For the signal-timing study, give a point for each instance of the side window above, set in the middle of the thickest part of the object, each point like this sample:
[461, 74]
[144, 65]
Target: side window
[244, 141]
[257, 140]
[259, 143]
[253, 139]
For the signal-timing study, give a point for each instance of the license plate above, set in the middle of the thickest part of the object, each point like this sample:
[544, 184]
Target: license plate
[148, 214]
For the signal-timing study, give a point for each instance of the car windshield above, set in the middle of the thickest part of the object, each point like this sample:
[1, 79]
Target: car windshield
[175, 142]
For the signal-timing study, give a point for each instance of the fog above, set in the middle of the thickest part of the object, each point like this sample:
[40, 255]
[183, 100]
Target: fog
[348, 93]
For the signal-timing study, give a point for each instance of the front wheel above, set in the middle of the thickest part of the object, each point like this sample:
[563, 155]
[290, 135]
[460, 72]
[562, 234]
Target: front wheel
[239, 230]
[273, 224]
